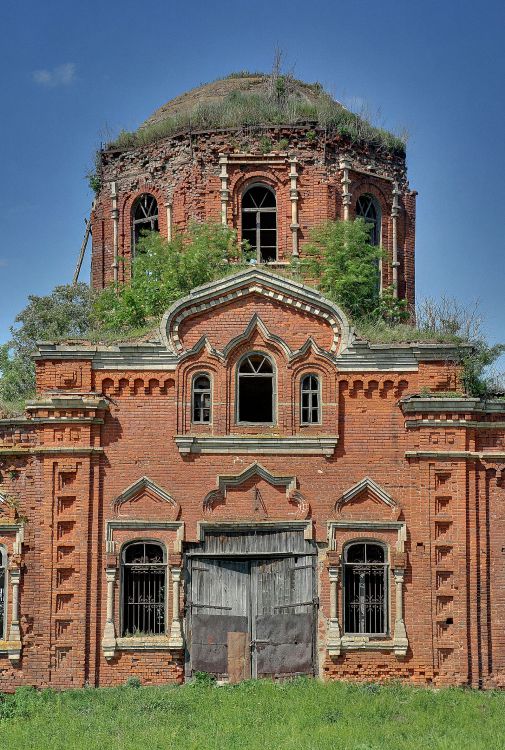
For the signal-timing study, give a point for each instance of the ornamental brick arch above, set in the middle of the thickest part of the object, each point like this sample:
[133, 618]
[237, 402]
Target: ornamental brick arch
[275, 180]
[294, 310]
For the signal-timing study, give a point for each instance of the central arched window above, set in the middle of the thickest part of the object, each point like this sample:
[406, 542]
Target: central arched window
[201, 406]
[365, 589]
[368, 209]
[3, 569]
[310, 410]
[255, 389]
[144, 589]
[144, 217]
[259, 222]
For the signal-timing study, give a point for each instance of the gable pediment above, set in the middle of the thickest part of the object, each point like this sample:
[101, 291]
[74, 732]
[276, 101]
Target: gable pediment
[216, 311]
[367, 499]
[256, 494]
[145, 498]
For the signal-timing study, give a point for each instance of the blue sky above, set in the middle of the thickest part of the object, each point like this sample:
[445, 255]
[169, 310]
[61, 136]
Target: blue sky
[73, 73]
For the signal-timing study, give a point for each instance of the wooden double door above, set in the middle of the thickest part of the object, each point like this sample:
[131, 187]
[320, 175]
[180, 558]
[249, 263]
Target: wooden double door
[252, 618]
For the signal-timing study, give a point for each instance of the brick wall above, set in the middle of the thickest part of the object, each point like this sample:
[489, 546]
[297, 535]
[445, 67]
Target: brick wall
[184, 171]
[63, 471]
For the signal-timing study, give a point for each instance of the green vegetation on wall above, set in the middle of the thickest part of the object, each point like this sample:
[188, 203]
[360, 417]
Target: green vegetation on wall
[163, 272]
[278, 103]
[338, 259]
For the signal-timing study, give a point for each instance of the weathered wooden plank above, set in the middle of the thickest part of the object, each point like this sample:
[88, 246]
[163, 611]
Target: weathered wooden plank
[265, 602]
[239, 661]
[258, 542]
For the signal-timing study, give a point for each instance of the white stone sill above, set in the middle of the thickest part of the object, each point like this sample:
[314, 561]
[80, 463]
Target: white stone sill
[144, 644]
[364, 644]
[294, 446]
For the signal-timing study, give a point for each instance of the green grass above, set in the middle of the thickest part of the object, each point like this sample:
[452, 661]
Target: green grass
[249, 109]
[298, 715]
[379, 332]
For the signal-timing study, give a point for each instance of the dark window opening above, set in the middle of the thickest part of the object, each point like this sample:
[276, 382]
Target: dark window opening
[310, 406]
[201, 399]
[368, 209]
[255, 389]
[144, 217]
[144, 589]
[259, 222]
[365, 589]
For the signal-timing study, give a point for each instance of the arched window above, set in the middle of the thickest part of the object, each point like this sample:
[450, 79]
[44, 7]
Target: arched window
[259, 222]
[310, 407]
[144, 589]
[365, 589]
[201, 399]
[368, 209]
[144, 217]
[255, 389]
[3, 569]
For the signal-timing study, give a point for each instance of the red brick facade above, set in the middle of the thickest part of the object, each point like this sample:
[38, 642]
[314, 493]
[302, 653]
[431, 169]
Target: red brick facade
[202, 176]
[108, 453]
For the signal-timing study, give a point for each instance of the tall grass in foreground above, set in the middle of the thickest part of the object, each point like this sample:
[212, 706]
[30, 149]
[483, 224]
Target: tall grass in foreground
[301, 714]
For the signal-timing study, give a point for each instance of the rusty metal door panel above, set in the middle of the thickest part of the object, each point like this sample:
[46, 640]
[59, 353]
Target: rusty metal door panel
[284, 644]
[270, 600]
[209, 642]
[283, 608]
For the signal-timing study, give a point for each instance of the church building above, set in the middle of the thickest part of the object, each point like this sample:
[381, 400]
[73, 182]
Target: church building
[255, 491]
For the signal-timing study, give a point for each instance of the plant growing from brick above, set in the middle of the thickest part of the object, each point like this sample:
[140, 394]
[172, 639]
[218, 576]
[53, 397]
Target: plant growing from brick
[163, 271]
[346, 266]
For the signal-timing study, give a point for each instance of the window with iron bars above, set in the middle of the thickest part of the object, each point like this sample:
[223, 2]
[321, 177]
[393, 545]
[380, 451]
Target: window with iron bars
[365, 589]
[144, 572]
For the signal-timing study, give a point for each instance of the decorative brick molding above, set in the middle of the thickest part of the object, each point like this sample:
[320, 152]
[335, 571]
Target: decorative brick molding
[254, 281]
[146, 485]
[293, 495]
[338, 643]
[364, 485]
[174, 641]
[13, 645]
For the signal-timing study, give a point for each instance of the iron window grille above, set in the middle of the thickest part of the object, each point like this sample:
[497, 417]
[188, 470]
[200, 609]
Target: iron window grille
[201, 407]
[3, 569]
[368, 209]
[145, 217]
[144, 589]
[259, 222]
[310, 400]
[365, 589]
[255, 389]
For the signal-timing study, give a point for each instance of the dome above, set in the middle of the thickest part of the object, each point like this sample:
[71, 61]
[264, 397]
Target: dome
[211, 94]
